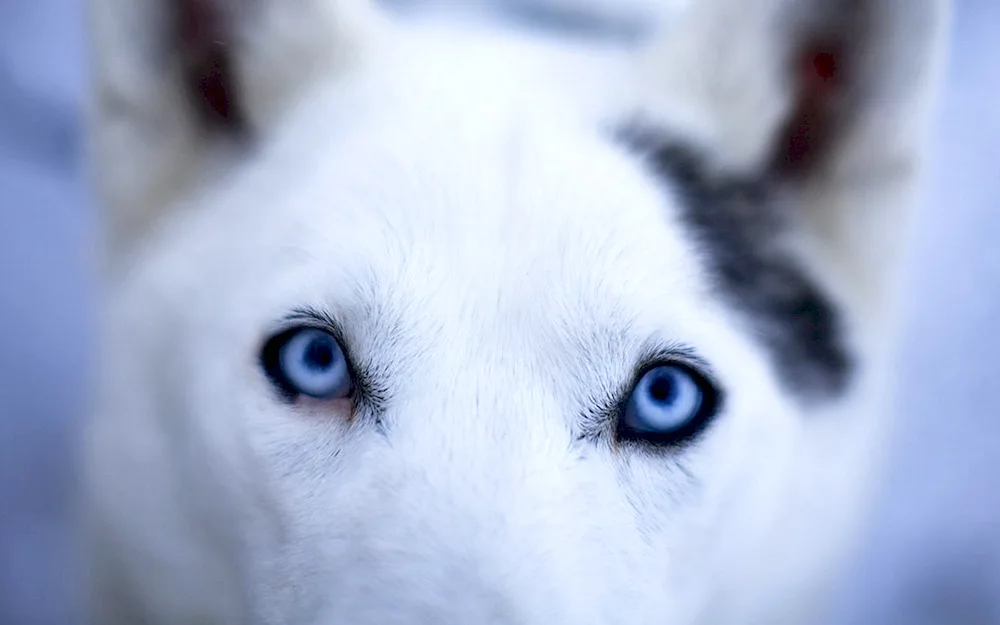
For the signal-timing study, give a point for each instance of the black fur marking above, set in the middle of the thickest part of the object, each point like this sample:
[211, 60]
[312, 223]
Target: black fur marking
[738, 225]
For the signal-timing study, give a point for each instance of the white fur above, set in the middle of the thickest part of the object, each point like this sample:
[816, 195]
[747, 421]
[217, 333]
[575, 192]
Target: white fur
[449, 195]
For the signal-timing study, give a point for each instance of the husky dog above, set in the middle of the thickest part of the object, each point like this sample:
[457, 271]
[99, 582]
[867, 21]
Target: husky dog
[423, 321]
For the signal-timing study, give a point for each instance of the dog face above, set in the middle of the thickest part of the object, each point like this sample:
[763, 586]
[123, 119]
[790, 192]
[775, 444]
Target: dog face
[413, 322]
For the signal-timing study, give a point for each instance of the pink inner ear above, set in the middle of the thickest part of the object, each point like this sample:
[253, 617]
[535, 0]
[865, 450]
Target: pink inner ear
[215, 78]
[208, 73]
[808, 130]
[196, 21]
[825, 65]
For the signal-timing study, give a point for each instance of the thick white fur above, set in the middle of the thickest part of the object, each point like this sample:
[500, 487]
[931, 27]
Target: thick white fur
[449, 195]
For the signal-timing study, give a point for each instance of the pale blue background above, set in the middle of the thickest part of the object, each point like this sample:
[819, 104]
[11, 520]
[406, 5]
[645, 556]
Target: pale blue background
[934, 555]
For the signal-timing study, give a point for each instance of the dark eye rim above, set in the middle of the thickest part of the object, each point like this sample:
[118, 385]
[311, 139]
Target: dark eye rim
[270, 359]
[712, 402]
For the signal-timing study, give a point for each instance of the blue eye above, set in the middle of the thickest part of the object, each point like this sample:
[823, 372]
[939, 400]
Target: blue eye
[670, 403]
[307, 361]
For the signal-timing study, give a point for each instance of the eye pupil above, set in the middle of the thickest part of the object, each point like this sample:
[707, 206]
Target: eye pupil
[661, 389]
[319, 354]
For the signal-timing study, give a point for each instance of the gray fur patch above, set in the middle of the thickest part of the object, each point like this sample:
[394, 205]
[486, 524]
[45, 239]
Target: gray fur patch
[737, 224]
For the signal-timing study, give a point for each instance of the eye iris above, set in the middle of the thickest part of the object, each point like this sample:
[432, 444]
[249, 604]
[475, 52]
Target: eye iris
[667, 404]
[307, 361]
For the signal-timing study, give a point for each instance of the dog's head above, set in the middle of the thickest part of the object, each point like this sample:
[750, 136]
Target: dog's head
[418, 323]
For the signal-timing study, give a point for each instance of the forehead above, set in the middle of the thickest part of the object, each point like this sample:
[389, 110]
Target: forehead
[515, 210]
[472, 189]
[465, 155]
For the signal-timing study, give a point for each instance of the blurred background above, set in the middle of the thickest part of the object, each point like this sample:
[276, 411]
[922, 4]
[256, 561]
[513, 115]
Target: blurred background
[933, 555]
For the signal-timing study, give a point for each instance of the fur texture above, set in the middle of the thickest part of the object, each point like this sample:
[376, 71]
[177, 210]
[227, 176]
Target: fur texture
[498, 257]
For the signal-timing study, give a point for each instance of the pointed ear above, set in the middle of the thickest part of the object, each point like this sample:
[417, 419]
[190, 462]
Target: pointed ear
[826, 101]
[174, 80]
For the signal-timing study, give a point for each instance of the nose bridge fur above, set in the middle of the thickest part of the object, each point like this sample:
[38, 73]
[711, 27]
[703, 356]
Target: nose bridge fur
[493, 511]
[480, 402]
